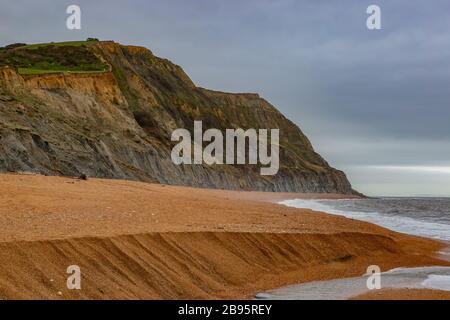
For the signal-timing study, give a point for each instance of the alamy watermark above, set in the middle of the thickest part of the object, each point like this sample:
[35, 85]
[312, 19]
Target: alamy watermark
[216, 152]
[373, 22]
[73, 22]
[74, 278]
[240, 147]
[374, 280]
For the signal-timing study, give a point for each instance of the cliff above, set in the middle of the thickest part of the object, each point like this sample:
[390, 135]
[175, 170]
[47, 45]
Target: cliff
[118, 124]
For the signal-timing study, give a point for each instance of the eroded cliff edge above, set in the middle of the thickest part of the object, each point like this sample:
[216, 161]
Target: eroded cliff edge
[118, 125]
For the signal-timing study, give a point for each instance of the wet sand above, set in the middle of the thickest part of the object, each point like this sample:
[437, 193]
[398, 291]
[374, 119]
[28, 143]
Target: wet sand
[135, 240]
[405, 294]
[398, 279]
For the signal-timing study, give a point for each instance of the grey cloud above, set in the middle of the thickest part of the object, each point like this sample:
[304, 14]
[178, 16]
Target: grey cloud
[363, 97]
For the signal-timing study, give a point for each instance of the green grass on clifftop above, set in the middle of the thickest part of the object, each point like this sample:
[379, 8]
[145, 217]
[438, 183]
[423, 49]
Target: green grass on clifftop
[58, 44]
[61, 57]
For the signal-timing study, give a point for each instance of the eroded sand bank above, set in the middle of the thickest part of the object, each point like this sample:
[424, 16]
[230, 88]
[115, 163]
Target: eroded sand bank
[137, 240]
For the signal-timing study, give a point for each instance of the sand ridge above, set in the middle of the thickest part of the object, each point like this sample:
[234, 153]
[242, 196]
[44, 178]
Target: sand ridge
[135, 240]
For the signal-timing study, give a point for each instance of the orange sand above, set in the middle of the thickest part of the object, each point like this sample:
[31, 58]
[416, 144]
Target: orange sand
[135, 240]
[404, 294]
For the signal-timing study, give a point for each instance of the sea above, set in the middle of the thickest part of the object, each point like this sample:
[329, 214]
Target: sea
[427, 217]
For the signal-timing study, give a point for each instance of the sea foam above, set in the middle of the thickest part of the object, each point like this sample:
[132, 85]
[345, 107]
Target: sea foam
[397, 223]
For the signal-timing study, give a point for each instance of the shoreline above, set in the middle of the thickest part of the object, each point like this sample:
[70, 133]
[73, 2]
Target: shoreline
[135, 240]
[405, 294]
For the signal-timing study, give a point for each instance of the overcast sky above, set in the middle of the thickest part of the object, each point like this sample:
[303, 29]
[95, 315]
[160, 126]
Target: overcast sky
[375, 103]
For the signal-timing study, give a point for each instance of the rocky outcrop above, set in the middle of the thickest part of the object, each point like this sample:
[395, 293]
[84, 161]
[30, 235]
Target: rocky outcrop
[118, 125]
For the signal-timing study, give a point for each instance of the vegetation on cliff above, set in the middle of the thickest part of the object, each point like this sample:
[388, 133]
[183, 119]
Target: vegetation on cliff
[118, 124]
[52, 58]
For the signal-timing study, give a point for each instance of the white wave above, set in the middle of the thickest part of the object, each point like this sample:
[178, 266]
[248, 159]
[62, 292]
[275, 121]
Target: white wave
[435, 281]
[396, 223]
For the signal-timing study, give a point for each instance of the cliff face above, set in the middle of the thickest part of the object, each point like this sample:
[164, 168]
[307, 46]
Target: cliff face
[118, 125]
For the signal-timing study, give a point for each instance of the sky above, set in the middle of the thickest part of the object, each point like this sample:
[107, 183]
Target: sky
[374, 103]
